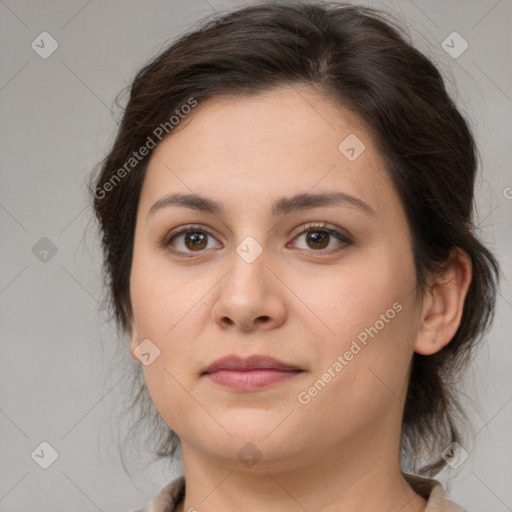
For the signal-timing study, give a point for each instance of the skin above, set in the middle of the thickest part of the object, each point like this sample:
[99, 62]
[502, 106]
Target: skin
[295, 302]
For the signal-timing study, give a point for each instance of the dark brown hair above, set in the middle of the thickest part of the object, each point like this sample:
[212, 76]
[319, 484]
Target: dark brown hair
[357, 57]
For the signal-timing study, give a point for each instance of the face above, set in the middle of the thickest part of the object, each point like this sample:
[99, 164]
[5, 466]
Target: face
[325, 287]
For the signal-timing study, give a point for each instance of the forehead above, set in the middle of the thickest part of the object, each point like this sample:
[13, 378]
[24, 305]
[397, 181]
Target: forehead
[281, 142]
[284, 116]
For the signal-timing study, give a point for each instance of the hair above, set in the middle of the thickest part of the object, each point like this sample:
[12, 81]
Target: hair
[359, 58]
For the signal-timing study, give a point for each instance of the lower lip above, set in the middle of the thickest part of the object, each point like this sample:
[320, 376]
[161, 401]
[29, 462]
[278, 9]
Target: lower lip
[247, 380]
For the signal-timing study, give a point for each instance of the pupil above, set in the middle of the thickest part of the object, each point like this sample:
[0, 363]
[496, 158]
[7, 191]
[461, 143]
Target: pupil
[317, 238]
[196, 239]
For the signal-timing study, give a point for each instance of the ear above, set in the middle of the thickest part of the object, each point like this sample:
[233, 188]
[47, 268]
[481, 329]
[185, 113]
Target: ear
[443, 304]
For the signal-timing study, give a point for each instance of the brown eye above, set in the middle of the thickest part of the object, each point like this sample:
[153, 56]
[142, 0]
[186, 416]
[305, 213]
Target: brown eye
[195, 240]
[188, 241]
[318, 237]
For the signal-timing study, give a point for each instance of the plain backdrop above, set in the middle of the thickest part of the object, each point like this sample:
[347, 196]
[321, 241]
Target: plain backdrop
[58, 382]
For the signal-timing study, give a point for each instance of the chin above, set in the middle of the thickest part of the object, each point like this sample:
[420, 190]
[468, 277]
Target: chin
[264, 429]
[243, 451]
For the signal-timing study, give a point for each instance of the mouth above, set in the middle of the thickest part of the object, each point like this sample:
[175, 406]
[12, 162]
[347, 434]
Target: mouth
[246, 374]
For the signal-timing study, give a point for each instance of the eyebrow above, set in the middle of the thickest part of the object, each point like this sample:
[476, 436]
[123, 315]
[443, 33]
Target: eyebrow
[280, 207]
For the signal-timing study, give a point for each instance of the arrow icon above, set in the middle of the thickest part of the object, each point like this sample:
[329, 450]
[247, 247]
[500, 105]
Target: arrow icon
[249, 455]
[249, 249]
[44, 250]
[44, 455]
[454, 45]
[146, 352]
[454, 455]
[351, 147]
[44, 45]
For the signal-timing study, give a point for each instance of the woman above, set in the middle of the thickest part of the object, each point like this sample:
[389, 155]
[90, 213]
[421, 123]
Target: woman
[286, 219]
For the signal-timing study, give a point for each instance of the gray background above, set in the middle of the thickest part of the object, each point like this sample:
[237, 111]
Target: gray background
[58, 382]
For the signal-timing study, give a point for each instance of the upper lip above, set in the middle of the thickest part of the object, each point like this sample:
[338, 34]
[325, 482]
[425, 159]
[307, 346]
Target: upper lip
[234, 362]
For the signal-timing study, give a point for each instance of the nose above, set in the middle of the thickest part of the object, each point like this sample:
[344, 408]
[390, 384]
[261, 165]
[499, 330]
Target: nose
[251, 297]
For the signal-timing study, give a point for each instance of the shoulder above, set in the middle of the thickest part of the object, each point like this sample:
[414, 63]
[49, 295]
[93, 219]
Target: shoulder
[167, 498]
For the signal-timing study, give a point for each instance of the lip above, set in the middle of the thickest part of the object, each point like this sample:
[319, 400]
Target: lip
[255, 362]
[251, 373]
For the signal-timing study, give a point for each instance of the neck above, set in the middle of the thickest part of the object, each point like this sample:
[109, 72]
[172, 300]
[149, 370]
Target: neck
[357, 471]
[344, 480]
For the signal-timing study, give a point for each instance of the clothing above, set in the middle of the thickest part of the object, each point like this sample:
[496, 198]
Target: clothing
[432, 490]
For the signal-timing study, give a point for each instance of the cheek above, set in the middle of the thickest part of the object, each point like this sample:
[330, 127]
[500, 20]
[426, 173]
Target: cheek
[370, 313]
[171, 308]
[354, 296]
[161, 297]
[166, 311]
[359, 375]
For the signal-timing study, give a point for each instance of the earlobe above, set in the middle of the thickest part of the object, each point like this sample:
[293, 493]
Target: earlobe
[444, 304]
[428, 347]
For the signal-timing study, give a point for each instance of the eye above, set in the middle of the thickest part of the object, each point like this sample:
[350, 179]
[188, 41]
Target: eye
[189, 240]
[195, 239]
[319, 236]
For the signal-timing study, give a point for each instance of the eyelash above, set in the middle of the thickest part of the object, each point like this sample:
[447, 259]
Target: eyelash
[319, 227]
